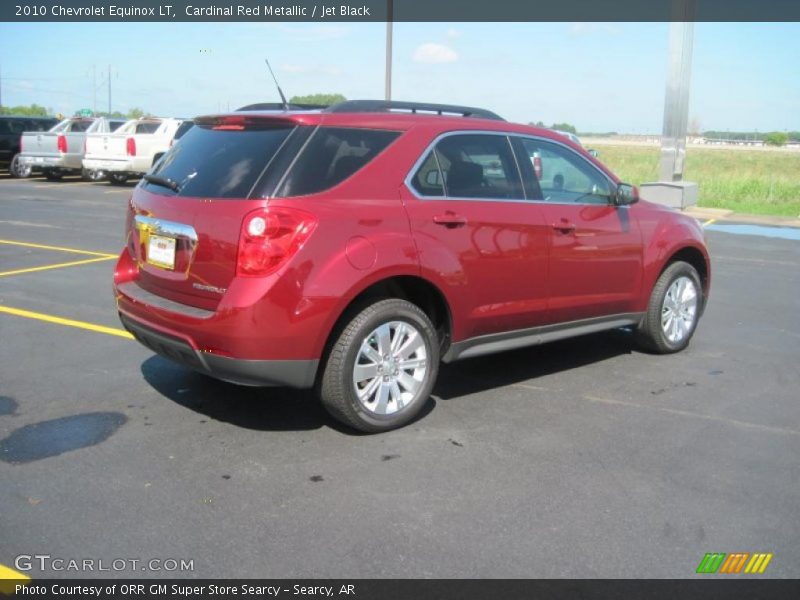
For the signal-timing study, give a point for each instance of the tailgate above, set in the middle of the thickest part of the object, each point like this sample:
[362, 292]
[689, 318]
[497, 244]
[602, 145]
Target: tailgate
[185, 221]
[106, 145]
[40, 143]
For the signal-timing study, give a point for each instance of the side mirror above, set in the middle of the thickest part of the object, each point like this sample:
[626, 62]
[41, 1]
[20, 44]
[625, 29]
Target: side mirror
[593, 152]
[626, 194]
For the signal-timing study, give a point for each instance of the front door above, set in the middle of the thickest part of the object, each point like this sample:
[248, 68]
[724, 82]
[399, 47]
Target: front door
[595, 266]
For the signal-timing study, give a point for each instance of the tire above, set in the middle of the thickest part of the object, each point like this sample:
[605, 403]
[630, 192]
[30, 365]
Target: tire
[676, 303]
[93, 175]
[18, 170]
[388, 400]
[117, 178]
[52, 175]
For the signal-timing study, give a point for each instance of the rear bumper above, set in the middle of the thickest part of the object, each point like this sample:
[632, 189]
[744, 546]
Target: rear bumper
[292, 373]
[49, 161]
[112, 165]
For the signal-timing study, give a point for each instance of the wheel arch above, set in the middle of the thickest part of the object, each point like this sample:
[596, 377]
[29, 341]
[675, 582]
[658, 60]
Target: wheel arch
[413, 288]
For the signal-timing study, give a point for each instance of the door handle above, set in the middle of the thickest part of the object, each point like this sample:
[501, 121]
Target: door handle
[564, 226]
[450, 220]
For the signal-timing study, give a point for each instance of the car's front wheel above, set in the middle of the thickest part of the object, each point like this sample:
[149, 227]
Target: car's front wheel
[382, 367]
[674, 309]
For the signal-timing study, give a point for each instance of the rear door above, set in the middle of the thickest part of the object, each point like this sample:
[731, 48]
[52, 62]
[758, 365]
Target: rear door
[595, 265]
[478, 235]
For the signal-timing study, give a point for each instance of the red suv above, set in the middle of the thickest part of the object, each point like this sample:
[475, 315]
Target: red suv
[353, 248]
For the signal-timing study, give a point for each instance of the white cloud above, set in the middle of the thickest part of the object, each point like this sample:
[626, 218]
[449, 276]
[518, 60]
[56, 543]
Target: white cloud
[453, 33]
[431, 53]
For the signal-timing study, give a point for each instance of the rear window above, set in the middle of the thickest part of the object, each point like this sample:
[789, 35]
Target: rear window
[218, 163]
[77, 126]
[149, 127]
[332, 155]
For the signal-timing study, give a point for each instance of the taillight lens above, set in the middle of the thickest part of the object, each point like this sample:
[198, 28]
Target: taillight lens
[131, 147]
[62, 144]
[269, 237]
[537, 165]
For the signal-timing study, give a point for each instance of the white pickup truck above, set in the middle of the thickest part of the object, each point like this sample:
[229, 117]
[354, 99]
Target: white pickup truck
[131, 150]
[60, 151]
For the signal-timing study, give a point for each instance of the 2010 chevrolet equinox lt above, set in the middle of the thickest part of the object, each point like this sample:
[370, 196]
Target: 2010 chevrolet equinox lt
[352, 249]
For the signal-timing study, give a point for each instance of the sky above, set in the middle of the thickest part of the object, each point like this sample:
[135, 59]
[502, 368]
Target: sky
[597, 76]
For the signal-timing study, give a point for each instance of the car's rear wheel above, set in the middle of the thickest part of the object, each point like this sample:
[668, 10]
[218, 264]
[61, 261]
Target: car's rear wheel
[382, 367]
[673, 311]
[117, 178]
[19, 170]
[53, 175]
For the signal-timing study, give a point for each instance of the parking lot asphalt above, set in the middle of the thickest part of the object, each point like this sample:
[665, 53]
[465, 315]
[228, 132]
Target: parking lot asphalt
[582, 458]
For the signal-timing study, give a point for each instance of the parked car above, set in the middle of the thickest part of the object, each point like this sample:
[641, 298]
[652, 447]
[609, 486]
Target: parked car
[131, 150]
[11, 130]
[59, 152]
[352, 249]
[185, 126]
[575, 139]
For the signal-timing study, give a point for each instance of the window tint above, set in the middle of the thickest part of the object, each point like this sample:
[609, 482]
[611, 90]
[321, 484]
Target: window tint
[79, 126]
[218, 163]
[428, 180]
[5, 126]
[478, 166]
[332, 155]
[114, 125]
[564, 176]
[149, 127]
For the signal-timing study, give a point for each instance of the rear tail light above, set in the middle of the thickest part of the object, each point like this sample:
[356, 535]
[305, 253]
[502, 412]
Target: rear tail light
[130, 146]
[270, 237]
[62, 144]
[537, 165]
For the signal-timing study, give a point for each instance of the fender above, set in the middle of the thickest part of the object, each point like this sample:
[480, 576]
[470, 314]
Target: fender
[667, 233]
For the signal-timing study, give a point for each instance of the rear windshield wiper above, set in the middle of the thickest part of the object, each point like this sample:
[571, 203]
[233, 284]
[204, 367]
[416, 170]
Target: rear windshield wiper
[163, 182]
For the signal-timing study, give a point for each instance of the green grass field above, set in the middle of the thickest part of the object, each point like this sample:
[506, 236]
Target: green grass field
[746, 181]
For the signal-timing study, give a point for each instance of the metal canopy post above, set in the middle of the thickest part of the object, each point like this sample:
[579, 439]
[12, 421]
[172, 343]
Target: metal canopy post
[676, 101]
[671, 189]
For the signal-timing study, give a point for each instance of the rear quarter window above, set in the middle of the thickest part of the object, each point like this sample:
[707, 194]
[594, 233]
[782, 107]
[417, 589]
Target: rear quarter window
[332, 155]
[218, 163]
[147, 127]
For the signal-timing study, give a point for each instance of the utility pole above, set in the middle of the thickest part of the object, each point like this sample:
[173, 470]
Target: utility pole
[94, 89]
[1, 86]
[389, 17]
[109, 90]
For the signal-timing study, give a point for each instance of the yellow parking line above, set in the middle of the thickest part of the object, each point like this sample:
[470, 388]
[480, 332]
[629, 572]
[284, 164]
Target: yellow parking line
[709, 222]
[68, 322]
[58, 248]
[9, 579]
[73, 263]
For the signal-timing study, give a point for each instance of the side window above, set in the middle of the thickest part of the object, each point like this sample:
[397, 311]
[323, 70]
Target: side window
[5, 126]
[428, 179]
[148, 127]
[332, 155]
[564, 176]
[479, 166]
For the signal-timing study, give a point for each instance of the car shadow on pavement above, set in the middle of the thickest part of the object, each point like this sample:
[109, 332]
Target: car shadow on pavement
[262, 409]
[492, 371]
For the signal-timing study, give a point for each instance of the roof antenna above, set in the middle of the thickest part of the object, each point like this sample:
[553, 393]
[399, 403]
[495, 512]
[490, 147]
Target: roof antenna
[283, 98]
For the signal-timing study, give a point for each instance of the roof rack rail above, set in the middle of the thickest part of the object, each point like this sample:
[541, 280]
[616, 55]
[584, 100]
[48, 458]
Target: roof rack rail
[412, 107]
[280, 106]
